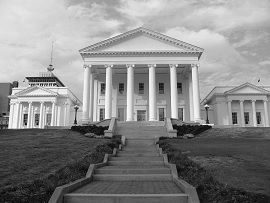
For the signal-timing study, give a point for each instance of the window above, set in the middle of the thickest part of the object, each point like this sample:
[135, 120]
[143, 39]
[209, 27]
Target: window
[48, 119]
[259, 117]
[179, 88]
[25, 117]
[36, 119]
[161, 88]
[234, 117]
[180, 114]
[121, 88]
[161, 114]
[246, 116]
[102, 88]
[141, 88]
[101, 114]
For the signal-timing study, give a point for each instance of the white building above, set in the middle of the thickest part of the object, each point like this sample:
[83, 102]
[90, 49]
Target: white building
[44, 102]
[141, 75]
[244, 105]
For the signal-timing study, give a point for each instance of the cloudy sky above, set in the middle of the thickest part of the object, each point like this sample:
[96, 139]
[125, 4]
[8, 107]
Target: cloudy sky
[234, 33]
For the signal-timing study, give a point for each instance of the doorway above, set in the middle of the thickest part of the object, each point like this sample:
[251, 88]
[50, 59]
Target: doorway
[121, 114]
[141, 115]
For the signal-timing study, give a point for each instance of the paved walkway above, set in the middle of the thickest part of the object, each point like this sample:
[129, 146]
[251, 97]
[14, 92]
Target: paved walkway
[136, 174]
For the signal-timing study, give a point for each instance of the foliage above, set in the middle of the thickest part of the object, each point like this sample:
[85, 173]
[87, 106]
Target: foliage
[40, 190]
[208, 188]
[98, 130]
[190, 129]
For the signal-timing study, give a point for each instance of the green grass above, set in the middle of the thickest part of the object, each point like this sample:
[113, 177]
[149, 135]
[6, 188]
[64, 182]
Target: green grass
[27, 155]
[238, 157]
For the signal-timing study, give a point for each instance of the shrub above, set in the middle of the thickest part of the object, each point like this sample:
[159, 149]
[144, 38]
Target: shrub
[190, 129]
[98, 130]
[41, 190]
[208, 188]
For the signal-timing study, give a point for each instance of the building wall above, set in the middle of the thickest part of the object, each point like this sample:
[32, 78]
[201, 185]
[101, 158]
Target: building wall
[5, 91]
[141, 100]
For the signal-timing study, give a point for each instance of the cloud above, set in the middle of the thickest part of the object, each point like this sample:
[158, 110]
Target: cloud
[265, 63]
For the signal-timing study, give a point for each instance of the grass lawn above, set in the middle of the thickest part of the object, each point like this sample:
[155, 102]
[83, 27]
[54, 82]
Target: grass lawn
[239, 157]
[27, 155]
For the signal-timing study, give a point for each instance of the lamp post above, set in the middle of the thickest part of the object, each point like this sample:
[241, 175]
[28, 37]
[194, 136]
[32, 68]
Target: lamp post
[206, 106]
[76, 107]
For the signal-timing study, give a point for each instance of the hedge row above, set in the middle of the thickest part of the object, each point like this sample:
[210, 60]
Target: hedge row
[190, 129]
[98, 130]
[40, 190]
[208, 188]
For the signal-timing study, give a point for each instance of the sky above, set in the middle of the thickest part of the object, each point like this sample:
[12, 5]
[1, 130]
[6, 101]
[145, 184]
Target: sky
[235, 35]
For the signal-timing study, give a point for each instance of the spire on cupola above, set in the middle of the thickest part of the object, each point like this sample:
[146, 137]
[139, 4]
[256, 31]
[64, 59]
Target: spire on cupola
[50, 68]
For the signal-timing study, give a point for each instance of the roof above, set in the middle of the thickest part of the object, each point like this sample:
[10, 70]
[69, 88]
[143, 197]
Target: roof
[96, 49]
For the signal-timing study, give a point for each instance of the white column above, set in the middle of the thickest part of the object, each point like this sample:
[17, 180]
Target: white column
[10, 119]
[91, 97]
[53, 114]
[65, 114]
[29, 115]
[95, 100]
[229, 103]
[41, 114]
[242, 113]
[108, 92]
[86, 92]
[174, 94]
[253, 102]
[152, 93]
[130, 92]
[196, 92]
[19, 116]
[191, 113]
[266, 119]
[58, 115]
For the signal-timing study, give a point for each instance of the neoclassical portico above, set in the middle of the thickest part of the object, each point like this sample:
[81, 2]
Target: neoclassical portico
[145, 75]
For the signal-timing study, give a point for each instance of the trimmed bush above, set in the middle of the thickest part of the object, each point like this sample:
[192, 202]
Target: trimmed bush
[190, 129]
[97, 130]
[208, 188]
[41, 190]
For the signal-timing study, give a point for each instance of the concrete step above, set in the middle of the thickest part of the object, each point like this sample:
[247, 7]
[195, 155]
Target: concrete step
[133, 177]
[142, 150]
[134, 167]
[104, 170]
[134, 158]
[125, 154]
[124, 198]
[135, 163]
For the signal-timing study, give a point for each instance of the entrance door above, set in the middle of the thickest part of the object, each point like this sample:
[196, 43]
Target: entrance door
[141, 115]
[121, 114]
[161, 114]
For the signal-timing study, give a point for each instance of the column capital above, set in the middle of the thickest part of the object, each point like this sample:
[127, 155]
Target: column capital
[42, 102]
[152, 65]
[195, 65]
[108, 65]
[265, 100]
[87, 66]
[173, 65]
[241, 100]
[30, 102]
[229, 100]
[253, 100]
[130, 65]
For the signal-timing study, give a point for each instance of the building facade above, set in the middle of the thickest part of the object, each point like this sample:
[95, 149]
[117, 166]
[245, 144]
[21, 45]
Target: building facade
[246, 105]
[44, 102]
[141, 75]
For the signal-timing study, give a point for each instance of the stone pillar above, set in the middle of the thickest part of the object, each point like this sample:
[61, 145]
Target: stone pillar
[108, 92]
[130, 92]
[86, 92]
[229, 103]
[253, 102]
[152, 93]
[266, 119]
[191, 113]
[10, 119]
[19, 115]
[41, 115]
[196, 92]
[174, 93]
[65, 113]
[91, 102]
[29, 115]
[242, 113]
[53, 114]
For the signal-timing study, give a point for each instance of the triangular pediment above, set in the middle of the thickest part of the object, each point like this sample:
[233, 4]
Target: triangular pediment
[247, 88]
[35, 91]
[142, 40]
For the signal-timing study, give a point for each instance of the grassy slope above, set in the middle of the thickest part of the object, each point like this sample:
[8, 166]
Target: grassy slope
[237, 157]
[26, 155]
